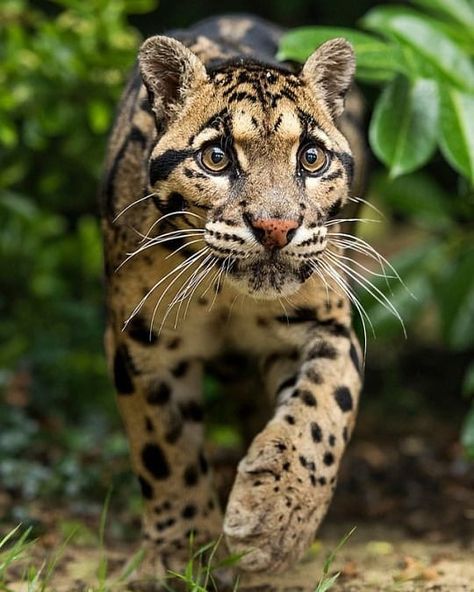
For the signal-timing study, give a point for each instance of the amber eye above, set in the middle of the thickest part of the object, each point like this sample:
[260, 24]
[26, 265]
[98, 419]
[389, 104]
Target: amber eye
[214, 159]
[313, 158]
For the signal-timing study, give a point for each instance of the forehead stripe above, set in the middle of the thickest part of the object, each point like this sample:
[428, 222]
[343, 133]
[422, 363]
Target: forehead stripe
[162, 166]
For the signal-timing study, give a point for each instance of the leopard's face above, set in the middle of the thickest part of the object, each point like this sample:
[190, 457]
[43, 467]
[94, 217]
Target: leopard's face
[256, 153]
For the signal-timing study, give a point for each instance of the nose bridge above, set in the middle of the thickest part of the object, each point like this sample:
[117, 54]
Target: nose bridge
[272, 195]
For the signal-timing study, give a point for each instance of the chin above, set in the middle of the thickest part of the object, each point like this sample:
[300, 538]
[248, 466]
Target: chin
[268, 280]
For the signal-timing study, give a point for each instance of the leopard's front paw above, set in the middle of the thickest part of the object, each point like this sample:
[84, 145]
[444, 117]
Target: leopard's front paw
[277, 502]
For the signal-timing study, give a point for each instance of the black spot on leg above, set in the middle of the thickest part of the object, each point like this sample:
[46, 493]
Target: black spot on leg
[173, 343]
[180, 369]
[146, 488]
[316, 432]
[314, 376]
[149, 425]
[191, 475]
[192, 411]
[155, 461]
[174, 431]
[158, 394]
[189, 512]
[307, 397]
[203, 464]
[290, 419]
[332, 440]
[343, 398]
[328, 459]
[122, 371]
[160, 526]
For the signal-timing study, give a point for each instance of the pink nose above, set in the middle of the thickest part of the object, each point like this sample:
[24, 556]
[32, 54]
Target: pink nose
[274, 233]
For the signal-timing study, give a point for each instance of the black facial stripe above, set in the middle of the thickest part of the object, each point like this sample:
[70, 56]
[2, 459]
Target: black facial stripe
[334, 209]
[226, 236]
[226, 251]
[236, 97]
[215, 121]
[162, 166]
[194, 174]
[332, 176]
[347, 162]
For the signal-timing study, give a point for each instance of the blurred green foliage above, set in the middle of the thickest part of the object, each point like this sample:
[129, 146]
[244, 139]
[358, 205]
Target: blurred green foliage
[62, 67]
[62, 72]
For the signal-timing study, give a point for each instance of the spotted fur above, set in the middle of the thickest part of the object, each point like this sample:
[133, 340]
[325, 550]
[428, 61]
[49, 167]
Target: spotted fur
[199, 264]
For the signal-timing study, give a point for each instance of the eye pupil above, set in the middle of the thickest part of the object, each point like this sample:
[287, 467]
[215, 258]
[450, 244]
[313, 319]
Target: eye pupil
[217, 156]
[311, 155]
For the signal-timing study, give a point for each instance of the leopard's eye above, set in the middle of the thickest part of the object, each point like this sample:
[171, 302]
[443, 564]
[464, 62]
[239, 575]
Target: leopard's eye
[313, 158]
[214, 159]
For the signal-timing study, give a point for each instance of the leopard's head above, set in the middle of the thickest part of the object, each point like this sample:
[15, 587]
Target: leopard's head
[256, 151]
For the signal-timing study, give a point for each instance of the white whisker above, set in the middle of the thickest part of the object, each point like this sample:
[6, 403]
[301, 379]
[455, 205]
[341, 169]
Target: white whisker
[363, 282]
[176, 213]
[341, 220]
[155, 309]
[356, 199]
[197, 240]
[169, 236]
[133, 204]
[186, 263]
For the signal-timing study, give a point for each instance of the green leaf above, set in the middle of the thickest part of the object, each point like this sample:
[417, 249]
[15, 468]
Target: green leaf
[438, 51]
[459, 11]
[404, 124]
[468, 382]
[376, 60]
[418, 197]
[457, 130]
[467, 434]
[413, 265]
[454, 291]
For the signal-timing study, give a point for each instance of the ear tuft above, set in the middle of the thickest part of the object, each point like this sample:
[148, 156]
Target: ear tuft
[330, 72]
[169, 71]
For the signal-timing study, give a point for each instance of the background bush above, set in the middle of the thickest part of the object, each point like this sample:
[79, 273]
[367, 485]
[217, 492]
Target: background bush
[62, 67]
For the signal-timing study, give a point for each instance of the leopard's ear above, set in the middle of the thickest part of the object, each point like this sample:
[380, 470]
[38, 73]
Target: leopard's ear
[329, 71]
[169, 71]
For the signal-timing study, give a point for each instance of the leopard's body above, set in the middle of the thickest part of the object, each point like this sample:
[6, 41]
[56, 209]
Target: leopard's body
[251, 235]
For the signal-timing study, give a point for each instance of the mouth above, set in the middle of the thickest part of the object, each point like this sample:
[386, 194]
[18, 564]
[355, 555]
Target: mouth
[268, 275]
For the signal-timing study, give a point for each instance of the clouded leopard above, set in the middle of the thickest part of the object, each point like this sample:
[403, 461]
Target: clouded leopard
[225, 177]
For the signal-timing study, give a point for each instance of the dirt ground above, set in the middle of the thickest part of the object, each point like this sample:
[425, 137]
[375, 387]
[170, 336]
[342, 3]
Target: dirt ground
[410, 495]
